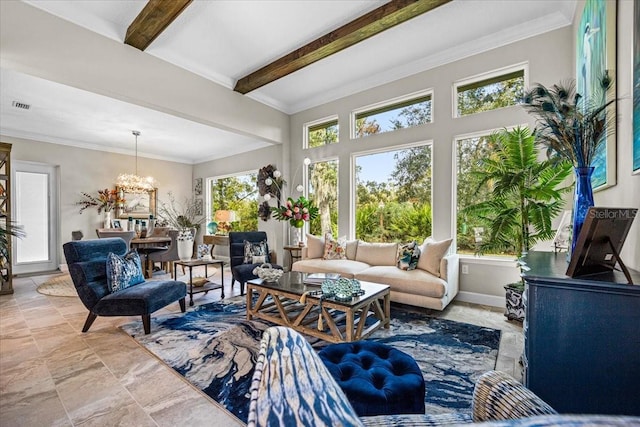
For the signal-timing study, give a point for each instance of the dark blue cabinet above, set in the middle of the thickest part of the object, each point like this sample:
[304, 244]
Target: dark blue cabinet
[582, 338]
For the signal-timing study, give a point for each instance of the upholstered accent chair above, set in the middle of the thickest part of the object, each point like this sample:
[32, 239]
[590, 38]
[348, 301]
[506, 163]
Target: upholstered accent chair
[239, 270]
[87, 261]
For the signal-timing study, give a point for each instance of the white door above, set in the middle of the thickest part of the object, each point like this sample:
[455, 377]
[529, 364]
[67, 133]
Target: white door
[35, 208]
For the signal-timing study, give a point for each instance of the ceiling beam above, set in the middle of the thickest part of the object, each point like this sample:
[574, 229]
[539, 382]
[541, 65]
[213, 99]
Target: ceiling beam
[152, 21]
[384, 17]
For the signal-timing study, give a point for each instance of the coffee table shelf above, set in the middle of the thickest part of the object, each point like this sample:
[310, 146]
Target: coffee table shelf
[333, 321]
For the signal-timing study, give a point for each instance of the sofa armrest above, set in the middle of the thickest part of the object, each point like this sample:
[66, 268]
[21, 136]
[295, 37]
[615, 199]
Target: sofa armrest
[498, 396]
[449, 272]
[304, 252]
[291, 386]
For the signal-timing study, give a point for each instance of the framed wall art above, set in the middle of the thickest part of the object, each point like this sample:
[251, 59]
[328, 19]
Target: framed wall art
[596, 57]
[199, 206]
[197, 186]
[636, 87]
[136, 205]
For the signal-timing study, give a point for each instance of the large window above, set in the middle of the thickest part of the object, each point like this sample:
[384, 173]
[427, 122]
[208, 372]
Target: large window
[470, 229]
[411, 111]
[490, 91]
[236, 193]
[323, 190]
[321, 133]
[393, 195]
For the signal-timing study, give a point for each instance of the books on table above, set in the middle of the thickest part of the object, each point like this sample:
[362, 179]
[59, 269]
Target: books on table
[318, 278]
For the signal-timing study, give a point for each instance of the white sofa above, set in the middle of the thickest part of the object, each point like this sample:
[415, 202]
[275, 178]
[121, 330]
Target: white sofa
[433, 284]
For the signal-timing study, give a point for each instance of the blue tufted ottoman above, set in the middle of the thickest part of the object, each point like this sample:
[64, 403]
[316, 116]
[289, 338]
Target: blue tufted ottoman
[377, 379]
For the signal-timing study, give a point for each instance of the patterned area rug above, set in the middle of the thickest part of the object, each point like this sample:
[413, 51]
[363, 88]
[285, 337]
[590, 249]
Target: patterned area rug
[215, 348]
[58, 286]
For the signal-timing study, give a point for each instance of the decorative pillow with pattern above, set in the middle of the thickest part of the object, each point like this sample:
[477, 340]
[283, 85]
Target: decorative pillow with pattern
[408, 256]
[123, 271]
[334, 249]
[255, 253]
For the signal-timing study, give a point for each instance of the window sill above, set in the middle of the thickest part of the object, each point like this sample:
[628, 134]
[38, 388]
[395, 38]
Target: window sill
[506, 261]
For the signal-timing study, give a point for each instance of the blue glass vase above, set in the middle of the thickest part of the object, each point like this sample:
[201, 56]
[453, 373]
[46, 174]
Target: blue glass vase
[582, 201]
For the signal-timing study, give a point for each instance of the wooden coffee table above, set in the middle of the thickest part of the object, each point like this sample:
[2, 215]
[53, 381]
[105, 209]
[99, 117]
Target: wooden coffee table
[280, 303]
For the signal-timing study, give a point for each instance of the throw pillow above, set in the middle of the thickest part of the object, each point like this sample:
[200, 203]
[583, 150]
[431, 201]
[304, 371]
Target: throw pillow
[431, 254]
[315, 246]
[258, 259]
[260, 249]
[334, 249]
[123, 271]
[378, 254]
[408, 256]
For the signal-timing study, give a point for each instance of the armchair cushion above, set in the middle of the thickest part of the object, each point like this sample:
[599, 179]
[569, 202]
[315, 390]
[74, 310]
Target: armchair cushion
[146, 297]
[123, 270]
[256, 252]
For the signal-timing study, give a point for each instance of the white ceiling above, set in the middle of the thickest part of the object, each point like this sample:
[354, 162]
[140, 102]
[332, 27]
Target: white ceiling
[225, 40]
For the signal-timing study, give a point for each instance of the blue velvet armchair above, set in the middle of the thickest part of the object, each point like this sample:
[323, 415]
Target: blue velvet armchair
[87, 261]
[239, 270]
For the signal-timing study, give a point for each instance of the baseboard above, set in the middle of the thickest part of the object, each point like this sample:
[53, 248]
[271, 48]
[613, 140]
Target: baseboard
[484, 299]
[64, 267]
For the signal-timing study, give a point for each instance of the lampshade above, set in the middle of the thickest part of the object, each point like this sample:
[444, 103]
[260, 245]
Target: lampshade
[134, 183]
[226, 216]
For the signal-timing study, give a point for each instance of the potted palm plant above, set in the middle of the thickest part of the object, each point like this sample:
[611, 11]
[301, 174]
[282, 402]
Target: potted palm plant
[525, 197]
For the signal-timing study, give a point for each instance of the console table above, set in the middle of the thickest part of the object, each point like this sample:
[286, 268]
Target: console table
[581, 338]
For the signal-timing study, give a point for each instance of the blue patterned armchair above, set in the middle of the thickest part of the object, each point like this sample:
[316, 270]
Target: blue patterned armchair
[292, 387]
[87, 261]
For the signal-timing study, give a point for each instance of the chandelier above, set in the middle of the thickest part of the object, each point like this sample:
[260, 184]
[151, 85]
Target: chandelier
[134, 183]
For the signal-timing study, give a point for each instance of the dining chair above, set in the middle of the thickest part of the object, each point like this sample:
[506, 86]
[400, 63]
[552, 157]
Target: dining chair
[127, 236]
[167, 256]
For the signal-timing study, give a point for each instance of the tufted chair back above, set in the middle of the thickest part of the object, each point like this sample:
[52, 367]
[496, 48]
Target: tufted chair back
[87, 261]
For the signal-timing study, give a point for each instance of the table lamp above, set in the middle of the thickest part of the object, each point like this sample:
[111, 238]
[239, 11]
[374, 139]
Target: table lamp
[224, 218]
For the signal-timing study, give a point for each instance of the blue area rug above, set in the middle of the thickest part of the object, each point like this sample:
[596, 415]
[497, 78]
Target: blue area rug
[215, 348]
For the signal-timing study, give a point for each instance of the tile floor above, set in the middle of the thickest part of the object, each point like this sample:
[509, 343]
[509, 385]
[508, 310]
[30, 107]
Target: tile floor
[51, 374]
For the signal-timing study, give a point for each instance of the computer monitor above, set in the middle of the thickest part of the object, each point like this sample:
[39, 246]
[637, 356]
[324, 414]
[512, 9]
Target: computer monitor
[600, 241]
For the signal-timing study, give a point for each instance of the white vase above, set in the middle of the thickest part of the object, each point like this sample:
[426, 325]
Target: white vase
[296, 236]
[185, 245]
[107, 219]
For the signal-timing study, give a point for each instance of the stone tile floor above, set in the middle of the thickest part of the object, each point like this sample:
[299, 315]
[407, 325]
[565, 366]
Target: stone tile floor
[51, 374]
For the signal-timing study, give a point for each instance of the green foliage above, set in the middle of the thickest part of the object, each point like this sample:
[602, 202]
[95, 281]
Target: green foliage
[323, 136]
[323, 189]
[237, 193]
[524, 193]
[491, 97]
[8, 229]
[412, 174]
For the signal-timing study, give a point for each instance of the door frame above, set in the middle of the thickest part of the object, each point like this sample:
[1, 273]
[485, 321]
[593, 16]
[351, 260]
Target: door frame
[52, 171]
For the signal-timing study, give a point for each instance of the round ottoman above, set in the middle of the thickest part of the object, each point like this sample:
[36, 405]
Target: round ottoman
[377, 379]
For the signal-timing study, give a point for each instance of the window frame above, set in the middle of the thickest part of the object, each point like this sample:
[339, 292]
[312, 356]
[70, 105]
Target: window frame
[306, 128]
[454, 187]
[354, 185]
[389, 103]
[504, 71]
[207, 193]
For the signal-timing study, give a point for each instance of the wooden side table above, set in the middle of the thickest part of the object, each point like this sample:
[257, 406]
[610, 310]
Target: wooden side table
[210, 286]
[295, 253]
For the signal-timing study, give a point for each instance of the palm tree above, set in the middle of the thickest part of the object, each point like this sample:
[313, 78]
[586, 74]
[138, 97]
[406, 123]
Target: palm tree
[524, 192]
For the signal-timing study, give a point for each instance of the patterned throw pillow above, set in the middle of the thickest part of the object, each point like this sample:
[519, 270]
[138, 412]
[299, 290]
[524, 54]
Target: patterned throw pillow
[255, 253]
[334, 249]
[123, 271]
[408, 256]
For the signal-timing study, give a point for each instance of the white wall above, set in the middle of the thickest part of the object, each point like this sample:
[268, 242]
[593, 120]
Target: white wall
[82, 170]
[549, 57]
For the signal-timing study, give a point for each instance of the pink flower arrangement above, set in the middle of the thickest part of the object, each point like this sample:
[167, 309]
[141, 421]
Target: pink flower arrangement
[297, 212]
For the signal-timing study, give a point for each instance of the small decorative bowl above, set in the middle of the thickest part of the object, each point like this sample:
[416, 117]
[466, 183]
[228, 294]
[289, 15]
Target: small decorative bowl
[267, 273]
